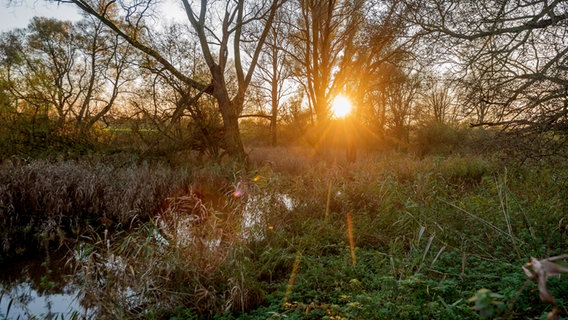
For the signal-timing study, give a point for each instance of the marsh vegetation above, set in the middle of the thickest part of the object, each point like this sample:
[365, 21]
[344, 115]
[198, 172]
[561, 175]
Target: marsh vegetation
[294, 235]
[305, 159]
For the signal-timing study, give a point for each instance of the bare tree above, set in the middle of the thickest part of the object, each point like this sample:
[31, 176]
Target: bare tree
[439, 102]
[169, 102]
[349, 47]
[518, 47]
[479, 95]
[400, 93]
[383, 43]
[274, 70]
[220, 27]
[106, 62]
[321, 34]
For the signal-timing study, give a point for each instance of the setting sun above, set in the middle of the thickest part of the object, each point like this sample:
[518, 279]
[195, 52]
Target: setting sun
[341, 106]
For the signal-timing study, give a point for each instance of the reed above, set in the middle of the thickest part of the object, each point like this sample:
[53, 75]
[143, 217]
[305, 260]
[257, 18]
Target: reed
[425, 234]
[54, 201]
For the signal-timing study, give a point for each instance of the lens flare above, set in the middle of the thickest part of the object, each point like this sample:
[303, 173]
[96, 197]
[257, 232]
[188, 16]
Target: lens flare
[351, 241]
[327, 202]
[240, 190]
[292, 279]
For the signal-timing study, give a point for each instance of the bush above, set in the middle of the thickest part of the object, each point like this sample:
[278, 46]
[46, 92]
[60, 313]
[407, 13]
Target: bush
[439, 138]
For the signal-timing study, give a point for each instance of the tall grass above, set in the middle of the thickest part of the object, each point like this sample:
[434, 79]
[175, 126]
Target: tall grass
[432, 223]
[51, 201]
[423, 235]
[191, 255]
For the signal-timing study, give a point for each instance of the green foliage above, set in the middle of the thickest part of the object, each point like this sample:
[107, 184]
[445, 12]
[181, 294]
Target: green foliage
[427, 235]
[421, 233]
[31, 133]
[487, 303]
[440, 138]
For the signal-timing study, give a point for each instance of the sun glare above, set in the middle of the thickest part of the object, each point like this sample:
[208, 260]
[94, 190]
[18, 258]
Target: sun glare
[341, 106]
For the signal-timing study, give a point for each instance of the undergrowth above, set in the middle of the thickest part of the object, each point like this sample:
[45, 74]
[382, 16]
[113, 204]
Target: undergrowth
[389, 236]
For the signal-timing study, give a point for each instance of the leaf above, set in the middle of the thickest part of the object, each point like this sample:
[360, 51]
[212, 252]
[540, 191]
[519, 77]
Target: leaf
[542, 270]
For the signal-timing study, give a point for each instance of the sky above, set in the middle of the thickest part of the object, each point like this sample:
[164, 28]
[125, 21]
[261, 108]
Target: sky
[18, 13]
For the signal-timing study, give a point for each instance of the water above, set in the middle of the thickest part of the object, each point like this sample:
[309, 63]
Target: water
[32, 288]
[253, 225]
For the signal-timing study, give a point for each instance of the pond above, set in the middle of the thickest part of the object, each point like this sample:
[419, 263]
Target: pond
[45, 287]
[40, 287]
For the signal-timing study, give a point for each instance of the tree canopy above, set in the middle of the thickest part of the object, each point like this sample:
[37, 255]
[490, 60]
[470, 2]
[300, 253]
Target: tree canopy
[401, 63]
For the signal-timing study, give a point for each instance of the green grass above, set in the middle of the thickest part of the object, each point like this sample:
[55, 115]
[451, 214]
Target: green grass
[428, 234]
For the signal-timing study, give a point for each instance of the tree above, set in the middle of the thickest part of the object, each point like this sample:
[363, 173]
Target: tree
[7, 115]
[105, 69]
[515, 47]
[217, 25]
[274, 70]
[71, 74]
[321, 33]
[38, 62]
[167, 102]
[400, 92]
[438, 101]
[344, 46]
[384, 43]
[479, 95]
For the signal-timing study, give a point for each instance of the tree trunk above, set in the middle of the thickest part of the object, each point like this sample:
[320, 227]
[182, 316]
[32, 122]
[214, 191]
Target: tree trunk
[234, 144]
[274, 98]
[230, 113]
[273, 127]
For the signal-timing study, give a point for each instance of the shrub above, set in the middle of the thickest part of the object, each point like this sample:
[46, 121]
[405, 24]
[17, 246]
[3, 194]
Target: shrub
[439, 138]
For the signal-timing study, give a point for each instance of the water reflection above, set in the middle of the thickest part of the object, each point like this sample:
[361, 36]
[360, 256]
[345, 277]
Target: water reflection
[254, 223]
[33, 288]
[203, 230]
[24, 302]
[210, 217]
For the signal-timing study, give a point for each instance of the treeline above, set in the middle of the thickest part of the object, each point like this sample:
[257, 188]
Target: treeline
[267, 71]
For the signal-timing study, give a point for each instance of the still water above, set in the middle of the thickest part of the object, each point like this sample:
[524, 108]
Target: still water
[32, 288]
[43, 287]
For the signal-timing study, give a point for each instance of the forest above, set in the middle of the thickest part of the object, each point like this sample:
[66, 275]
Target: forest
[298, 159]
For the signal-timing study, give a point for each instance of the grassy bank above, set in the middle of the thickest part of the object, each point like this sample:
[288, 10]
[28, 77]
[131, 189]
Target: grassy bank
[389, 236]
[427, 235]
